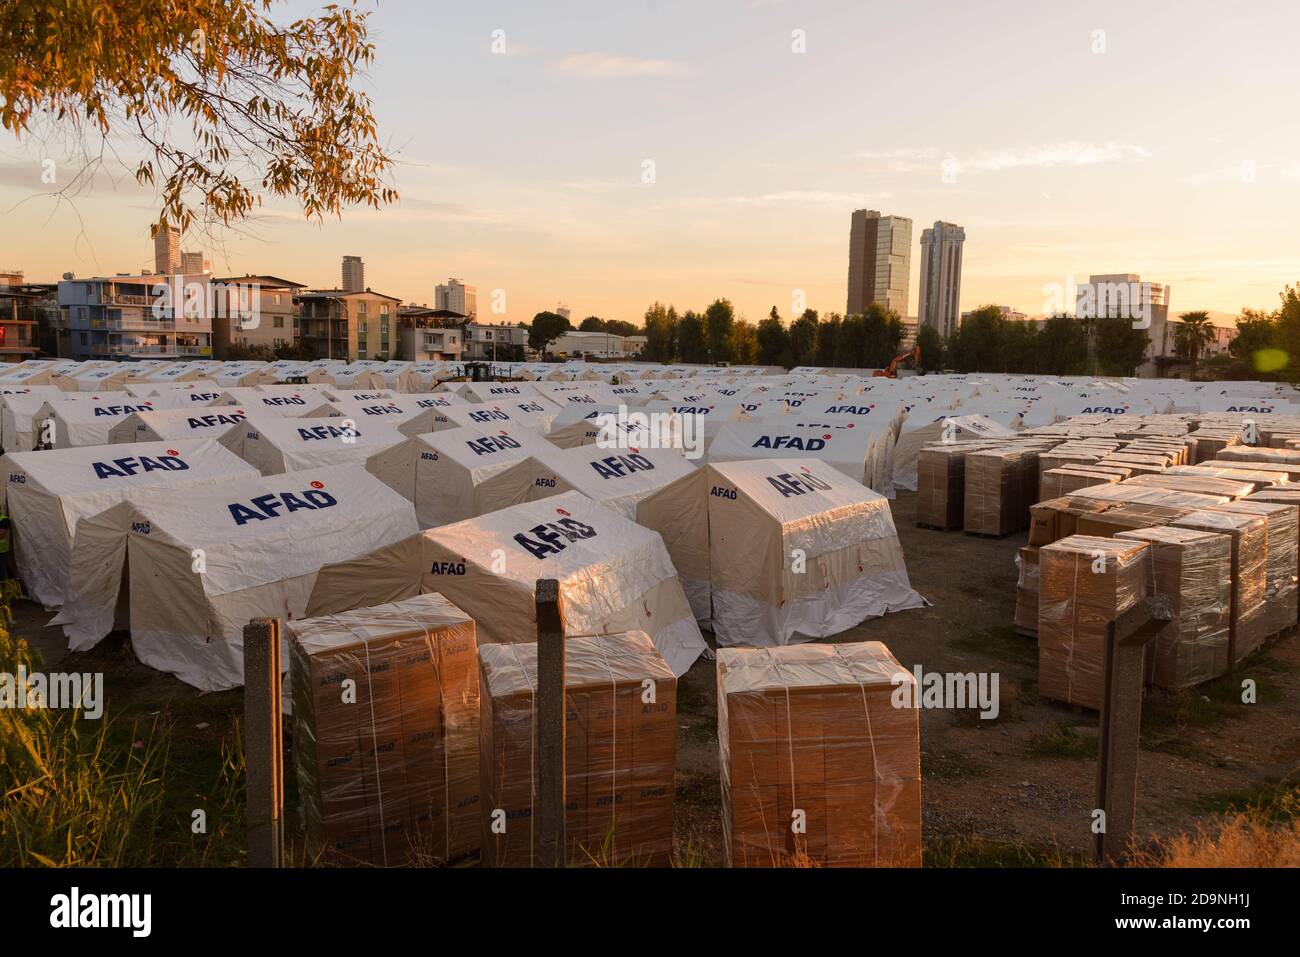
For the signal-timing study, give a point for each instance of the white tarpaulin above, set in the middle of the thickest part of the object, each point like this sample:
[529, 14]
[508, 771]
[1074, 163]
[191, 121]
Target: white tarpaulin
[798, 551]
[616, 478]
[48, 492]
[284, 401]
[201, 563]
[439, 471]
[614, 575]
[173, 424]
[77, 424]
[920, 430]
[18, 408]
[858, 452]
[288, 445]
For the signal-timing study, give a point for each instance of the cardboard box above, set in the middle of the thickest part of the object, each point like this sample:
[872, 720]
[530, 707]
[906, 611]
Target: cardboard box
[1057, 518]
[1084, 583]
[386, 732]
[1125, 518]
[620, 752]
[1193, 569]
[1249, 534]
[1026, 619]
[817, 764]
[1281, 592]
[941, 484]
[999, 491]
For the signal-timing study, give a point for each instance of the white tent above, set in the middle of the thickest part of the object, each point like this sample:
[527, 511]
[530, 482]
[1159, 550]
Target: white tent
[298, 401]
[288, 445]
[176, 424]
[76, 424]
[201, 563]
[858, 452]
[18, 408]
[440, 470]
[798, 551]
[614, 575]
[921, 430]
[616, 478]
[49, 492]
[534, 415]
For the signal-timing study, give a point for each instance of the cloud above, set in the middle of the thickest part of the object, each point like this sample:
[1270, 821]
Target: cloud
[1243, 173]
[1072, 153]
[807, 199]
[603, 66]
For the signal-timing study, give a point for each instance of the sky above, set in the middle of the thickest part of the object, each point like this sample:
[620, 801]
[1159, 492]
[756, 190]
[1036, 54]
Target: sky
[605, 155]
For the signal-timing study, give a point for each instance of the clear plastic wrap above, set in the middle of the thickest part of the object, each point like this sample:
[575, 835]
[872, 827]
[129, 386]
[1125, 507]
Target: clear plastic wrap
[1245, 453]
[1280, 597]
[1053, 483]
[1193, 569]
[620, 751]
[385, 714]
[1026, 620]
[1249, 572]
[1199, 484]
[998, 490]
[1085, 582]
[1211, 443]
[941, 485]
[818, 765]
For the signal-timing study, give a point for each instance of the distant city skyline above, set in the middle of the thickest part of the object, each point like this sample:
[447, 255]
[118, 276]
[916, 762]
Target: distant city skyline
[681, 153]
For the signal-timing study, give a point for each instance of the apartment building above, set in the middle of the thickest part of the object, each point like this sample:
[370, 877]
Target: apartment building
[456, 296]
[336, 324]
[136, 317]
[940, 281]
[23, 308]
[880, 259]
[499, 343]
[260, 312]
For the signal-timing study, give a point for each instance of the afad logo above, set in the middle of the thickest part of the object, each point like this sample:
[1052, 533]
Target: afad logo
[850, 409]
[320, 432]
[802, 443]
[693, 409]
[620, 466]
[1105, 409]
[211, 421]
[276, 504]
[551, 538]
[390, 409]
[489, 415]
[492, 444]
[119, 410]
[801, 484]
[1251, 408]
[284, 400]
[130, 465]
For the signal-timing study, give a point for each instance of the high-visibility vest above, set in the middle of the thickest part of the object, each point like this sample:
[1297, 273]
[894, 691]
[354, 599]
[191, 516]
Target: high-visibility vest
[4, 535]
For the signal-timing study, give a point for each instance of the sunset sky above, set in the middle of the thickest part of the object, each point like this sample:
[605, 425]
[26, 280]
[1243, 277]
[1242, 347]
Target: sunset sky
[1174, 154]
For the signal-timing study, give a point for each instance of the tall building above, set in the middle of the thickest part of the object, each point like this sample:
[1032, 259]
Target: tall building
[458, 297]
[192, 264]
[336, 324]
[940, 292]
[167, 251]
[880, 258]
[1126, 296]
[263, 313]
[135, 317]
[354, 274]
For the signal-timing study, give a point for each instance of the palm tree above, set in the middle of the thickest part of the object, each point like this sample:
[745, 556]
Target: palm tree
[1192, 334]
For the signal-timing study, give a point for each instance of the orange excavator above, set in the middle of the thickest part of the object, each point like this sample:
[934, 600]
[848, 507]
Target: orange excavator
[891, 371]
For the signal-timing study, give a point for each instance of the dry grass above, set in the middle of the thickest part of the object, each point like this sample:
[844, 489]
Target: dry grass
[1242, 840]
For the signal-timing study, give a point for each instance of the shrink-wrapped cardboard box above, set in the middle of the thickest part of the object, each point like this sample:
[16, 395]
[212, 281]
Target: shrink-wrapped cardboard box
[1249, 535]
[1246, 453]
[1058, 518]
[1026, 620]
[1198, 484]
[941, 485]
[1280, 595]
[1193, 569]
[818, 764]
[620, 751]
[998, 490]
[1084, 582]
[385, 715]
[1124, 518]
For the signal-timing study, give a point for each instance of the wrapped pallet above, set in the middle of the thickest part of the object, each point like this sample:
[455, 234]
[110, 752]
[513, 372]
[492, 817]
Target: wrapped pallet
[1085, 583]
[1211, 443]
[1282, 471]
[1192, 568]
[941, 486]
[1249, 535]
[1056, 482]
[818, 764]
[1200, 484]
[1245, 453]
[620, 751]
[1280, 594]
[1026, 620]
[386, 713]
[997, 493]
[1058, 517]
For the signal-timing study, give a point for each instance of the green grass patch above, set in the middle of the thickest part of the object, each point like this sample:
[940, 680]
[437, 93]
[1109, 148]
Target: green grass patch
[968, 850]
[1064, 741]
[1275, 803]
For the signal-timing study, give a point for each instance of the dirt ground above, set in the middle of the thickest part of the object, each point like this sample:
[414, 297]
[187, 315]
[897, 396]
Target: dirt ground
[1015, 790]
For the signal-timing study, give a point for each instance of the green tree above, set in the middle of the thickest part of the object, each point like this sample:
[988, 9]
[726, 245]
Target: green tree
[744, 343]
[621, 327]
[592, 324]
[1019, 346]
[1062, 347]
[660, 333]
[828, 333]
[1118, 347]
[1253, 351]
[692, 341]
[228, 105]
[850, 342]
[1191, 337]
[717, 323]
[931, 343]
[976, 345]
[804, 332]
[546, 328]
[774, 342]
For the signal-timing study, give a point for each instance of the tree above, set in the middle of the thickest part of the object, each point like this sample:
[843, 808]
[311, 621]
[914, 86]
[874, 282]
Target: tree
[882, 335]
[717, 321]
[931, 343]
[1191, 337]
[1019, 346]
[546, 328]
[660, 333]
[828, 333]
[592, 324]
[1253, 350]
[976, 345]
[621, 327]
[692, 342]
[228, 104]
[1062, 347]
[774, 342]
[256, 353]
[1118, 347]
[296, 353]
[744, 343]
[850, 343]
[803, 339]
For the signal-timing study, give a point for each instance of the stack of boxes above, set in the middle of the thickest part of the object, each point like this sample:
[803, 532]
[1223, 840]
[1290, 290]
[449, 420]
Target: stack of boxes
[1248, 573]
[1280, 586]
[620, 752]
[386, 732]
[1085, 582]
[941, 485]
[818, 765]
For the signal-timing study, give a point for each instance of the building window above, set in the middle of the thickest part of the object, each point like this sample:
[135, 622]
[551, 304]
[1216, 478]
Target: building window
[277, 322]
